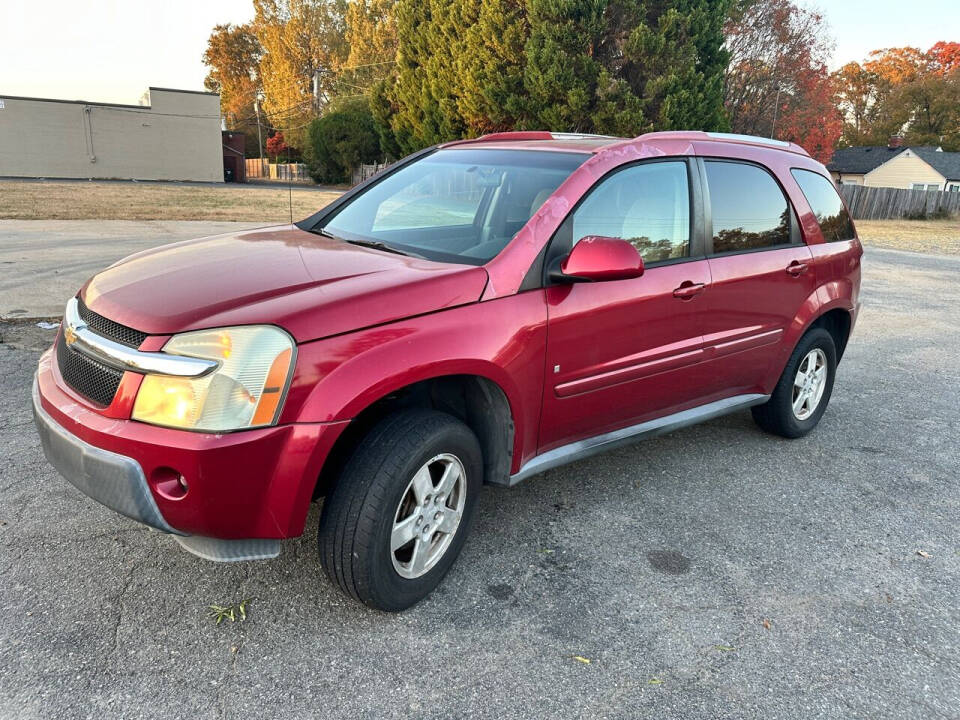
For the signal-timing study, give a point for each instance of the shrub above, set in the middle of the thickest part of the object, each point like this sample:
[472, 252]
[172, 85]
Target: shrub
[340, 140]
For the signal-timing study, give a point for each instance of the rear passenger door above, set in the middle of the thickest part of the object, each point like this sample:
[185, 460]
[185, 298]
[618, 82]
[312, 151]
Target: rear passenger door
[761, 274]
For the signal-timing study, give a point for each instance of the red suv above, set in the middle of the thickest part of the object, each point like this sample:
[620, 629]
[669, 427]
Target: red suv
[480, 312]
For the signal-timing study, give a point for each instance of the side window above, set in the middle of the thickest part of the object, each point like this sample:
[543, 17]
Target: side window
[826, 204]
[648, 204]
[748, 208]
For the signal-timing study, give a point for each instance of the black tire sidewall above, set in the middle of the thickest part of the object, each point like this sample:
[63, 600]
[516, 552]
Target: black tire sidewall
[388, 589]
[815, 338]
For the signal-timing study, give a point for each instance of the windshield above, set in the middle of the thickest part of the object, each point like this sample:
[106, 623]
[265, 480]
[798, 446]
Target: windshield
[454, 205]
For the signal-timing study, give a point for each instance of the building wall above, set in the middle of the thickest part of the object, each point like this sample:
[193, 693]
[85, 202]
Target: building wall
[902, 172]
[847, 178]
[176, 137]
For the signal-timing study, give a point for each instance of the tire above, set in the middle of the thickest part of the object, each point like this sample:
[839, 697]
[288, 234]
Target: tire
[777, 415]
[378, 486]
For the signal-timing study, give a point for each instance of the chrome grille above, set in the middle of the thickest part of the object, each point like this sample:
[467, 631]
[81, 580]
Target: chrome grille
[108, 328]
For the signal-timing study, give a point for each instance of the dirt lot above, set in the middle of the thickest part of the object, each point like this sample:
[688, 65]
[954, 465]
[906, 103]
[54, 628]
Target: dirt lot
[81, 200]
[929, 236]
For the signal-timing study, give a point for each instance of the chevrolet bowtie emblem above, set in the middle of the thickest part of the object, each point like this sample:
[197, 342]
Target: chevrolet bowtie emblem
[69, 334]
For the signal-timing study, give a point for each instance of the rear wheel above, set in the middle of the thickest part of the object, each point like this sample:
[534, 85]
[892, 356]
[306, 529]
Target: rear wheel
[803, 391]
[402, 508]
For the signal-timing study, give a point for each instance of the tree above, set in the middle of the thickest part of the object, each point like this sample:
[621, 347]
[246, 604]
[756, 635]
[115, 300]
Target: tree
[371, 37]
[931, 104]
[341, 140]
[300, 38]
[626, 67]
[902, 91]
[233, 56]
[458, 72]
[895, 66]
[472, 66]
[856, 96]
[276, 145]
[812, 119]
[773, 46]
[565, 79]
[945, 57]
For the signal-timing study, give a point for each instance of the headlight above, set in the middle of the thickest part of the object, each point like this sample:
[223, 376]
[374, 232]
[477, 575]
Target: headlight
[245, 391]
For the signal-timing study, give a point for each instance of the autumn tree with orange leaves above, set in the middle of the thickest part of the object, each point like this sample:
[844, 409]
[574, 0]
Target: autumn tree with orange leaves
[902, 91]
[777, 84]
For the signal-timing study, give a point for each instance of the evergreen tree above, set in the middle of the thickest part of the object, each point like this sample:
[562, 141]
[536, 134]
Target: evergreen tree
[468, 67]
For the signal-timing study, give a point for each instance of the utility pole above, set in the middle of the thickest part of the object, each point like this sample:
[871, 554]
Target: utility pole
[776, 109]
[316, 89]
[256, 106]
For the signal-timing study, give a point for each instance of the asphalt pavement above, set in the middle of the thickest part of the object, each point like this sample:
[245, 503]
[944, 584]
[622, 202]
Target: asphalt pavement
[715, 572]
[44, 262]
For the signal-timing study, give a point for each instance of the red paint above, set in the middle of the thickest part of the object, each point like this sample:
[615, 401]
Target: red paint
[573, 360]
[598, 258]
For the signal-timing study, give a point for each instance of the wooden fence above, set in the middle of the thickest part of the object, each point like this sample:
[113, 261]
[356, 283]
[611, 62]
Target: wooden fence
[294, 172]
[364, 172]
[880, 203]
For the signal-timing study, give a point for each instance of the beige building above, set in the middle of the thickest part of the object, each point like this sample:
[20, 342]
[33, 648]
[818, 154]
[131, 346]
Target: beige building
[894, 166]
[175, 136]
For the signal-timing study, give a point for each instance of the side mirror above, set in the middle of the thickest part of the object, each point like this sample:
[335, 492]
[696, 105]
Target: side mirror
[596, 258]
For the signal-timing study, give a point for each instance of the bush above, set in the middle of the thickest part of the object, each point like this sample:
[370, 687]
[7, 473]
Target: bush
[341, 140]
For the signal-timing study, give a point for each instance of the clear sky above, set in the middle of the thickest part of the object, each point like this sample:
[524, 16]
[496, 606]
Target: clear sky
[111, 50]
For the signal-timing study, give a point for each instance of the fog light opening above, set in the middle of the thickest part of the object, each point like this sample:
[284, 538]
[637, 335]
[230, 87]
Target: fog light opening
[169, 483]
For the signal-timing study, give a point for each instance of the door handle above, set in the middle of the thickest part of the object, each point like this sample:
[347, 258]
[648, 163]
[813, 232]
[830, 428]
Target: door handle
[797, 268]
[688, 290]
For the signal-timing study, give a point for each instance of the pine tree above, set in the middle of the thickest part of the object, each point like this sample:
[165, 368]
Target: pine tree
[472, 66]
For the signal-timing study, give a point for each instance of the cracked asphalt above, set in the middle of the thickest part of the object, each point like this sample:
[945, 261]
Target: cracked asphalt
[715, 572]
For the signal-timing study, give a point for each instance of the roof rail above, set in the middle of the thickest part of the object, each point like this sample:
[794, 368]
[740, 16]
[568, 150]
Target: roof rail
[519, 135]
[736, 137]
[693, 135]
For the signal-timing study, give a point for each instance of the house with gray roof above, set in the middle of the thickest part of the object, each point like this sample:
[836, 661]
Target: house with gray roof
[897, 166]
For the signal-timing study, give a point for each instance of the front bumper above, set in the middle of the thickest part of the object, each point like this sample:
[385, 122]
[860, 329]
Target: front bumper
[246, 490]
[109, 478]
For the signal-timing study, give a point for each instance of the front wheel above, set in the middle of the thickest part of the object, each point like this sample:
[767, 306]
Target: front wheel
[402, 508]
[803, 391]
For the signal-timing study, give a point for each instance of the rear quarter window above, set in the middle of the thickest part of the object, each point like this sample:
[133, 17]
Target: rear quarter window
[824, 200]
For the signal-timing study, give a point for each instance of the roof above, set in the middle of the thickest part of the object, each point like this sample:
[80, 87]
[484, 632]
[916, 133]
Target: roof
[104, 104]
[945, 163]
[861, 160]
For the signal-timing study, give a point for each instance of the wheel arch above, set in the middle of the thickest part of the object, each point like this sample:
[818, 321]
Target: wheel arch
[476, 400]
[838, 322]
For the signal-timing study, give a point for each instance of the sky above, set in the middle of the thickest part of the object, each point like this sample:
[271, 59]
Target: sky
[112, 50]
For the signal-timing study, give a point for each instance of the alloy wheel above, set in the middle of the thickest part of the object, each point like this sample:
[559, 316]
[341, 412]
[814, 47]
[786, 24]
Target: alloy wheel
[809, 384]
[428, 516]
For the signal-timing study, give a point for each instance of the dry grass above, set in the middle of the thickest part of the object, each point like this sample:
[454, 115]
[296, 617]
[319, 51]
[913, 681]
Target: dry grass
[162, 201]
[156, 201]
[929, 236]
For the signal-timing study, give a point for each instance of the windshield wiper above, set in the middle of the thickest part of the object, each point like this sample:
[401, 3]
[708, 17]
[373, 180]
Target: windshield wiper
[375, 244]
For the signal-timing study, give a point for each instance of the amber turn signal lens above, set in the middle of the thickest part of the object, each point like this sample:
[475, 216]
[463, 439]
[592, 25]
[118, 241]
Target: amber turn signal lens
[266, 411]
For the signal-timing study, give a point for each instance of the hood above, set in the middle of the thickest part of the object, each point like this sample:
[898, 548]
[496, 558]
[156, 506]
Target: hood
[310, 285]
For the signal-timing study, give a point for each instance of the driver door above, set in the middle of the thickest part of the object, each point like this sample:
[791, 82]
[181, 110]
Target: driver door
[622, 352]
